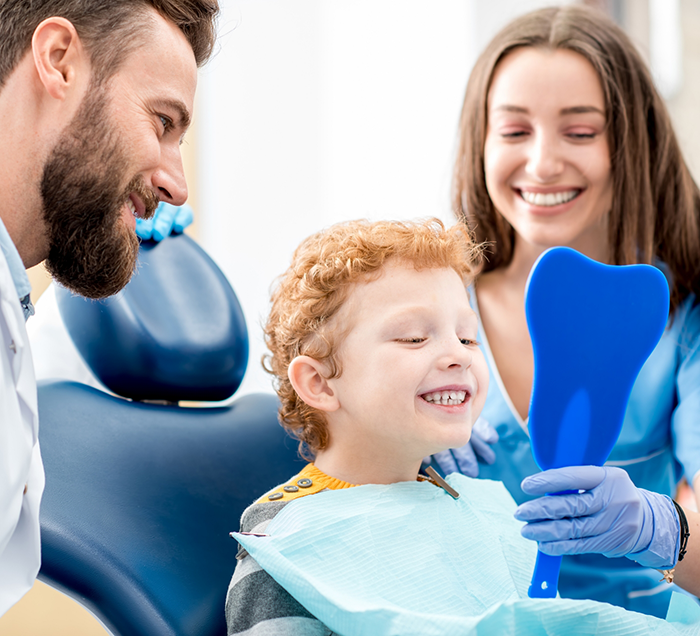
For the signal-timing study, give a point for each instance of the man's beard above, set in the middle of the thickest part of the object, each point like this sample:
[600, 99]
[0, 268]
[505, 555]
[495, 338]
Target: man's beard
[92, 252]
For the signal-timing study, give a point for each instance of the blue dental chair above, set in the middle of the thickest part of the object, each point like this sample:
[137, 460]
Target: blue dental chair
[141, 493]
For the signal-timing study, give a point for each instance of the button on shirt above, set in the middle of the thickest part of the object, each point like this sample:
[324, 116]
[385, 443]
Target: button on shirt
[17, 271]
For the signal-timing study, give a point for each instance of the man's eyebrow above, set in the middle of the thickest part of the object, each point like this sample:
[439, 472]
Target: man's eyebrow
[184, 119]
[571, 110]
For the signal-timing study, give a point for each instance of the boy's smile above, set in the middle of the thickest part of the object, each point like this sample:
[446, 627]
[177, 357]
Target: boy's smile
[413, 378]
[448, 396]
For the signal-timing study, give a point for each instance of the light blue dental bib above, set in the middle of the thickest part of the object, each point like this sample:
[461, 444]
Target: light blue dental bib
[406, 559]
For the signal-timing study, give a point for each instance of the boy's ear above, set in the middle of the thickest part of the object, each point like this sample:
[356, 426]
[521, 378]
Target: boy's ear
[307, 376]
[58, 55]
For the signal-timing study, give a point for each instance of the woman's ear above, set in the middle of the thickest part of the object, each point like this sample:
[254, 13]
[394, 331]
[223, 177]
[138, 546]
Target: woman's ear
[58, 55]
[308, 378]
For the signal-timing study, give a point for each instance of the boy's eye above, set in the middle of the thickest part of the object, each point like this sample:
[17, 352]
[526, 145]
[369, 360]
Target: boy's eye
[411, 340]
[468, 341]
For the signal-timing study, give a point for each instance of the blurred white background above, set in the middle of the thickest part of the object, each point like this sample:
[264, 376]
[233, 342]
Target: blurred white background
[318, 111]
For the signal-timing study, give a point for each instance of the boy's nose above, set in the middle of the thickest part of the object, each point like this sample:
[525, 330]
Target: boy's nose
[457, 355]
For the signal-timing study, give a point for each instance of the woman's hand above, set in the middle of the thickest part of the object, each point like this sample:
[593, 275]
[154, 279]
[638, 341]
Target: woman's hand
[609, 515]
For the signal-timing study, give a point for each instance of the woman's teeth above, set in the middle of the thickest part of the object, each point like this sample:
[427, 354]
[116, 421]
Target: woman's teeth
[445, 398]
[131, 206]
[548, 200]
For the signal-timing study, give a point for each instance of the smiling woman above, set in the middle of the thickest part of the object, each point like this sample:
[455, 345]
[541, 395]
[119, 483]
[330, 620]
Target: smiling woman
[547, 161]
[565, 141]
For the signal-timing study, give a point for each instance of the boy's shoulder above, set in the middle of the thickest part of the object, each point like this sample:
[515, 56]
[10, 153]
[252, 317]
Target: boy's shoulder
[258, 515]
[308, 482]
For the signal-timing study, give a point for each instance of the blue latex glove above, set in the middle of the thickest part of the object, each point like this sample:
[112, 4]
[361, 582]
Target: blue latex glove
[464, 460]
[168, 219]
[611, 517]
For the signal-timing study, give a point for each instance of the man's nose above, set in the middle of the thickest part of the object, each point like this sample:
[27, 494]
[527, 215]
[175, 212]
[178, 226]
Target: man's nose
[169, 178]
[544, 161]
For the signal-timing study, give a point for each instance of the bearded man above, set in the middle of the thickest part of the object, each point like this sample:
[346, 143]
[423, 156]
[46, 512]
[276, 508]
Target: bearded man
[95, 98]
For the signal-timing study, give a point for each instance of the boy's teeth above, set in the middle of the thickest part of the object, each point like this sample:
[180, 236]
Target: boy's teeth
[131, 206]
[449, 398]
[548, 200]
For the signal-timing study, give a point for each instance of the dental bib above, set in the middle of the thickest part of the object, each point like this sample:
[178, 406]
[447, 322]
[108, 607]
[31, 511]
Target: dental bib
[407, 559]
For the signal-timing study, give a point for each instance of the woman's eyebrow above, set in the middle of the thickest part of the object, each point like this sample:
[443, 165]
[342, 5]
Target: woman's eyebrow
[569, 110]
[577, 110]
[510, 108]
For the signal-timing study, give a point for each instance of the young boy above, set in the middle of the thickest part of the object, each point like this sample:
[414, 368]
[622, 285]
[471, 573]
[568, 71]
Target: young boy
[374, 352]
[373, 347]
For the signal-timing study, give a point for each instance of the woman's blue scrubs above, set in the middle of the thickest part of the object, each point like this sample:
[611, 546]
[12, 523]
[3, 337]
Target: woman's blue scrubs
[659, 442]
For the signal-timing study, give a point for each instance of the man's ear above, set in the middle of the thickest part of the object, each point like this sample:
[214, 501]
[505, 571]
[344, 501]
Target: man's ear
[58, 55]
[307, 376]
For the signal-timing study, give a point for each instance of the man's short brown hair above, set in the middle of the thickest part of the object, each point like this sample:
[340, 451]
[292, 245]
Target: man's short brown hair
[109, 29]
[314, 288]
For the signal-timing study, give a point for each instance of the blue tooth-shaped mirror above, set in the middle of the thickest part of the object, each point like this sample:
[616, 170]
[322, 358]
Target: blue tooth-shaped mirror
[592, 328]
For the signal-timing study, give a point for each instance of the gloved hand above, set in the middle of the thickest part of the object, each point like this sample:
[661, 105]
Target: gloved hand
[464, 460]
[167, 219]
[612, 517]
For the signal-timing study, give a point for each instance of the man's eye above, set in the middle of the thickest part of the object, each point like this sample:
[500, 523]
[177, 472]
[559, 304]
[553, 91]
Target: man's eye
[166, 121]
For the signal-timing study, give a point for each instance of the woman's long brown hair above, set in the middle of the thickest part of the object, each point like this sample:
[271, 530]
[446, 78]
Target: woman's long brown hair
[656, 204]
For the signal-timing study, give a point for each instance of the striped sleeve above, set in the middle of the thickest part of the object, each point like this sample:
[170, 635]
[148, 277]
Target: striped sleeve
[256, 605]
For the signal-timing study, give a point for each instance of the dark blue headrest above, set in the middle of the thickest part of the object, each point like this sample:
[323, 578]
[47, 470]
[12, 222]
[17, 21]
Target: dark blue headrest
[175, 332]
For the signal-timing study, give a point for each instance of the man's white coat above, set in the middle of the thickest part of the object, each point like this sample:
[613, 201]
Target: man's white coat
[21, 469]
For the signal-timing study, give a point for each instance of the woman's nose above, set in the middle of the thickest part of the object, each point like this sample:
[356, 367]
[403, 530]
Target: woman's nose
[544, 161]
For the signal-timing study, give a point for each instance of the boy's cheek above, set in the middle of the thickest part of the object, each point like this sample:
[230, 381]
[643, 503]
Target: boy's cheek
[481, 393]
[478, 407]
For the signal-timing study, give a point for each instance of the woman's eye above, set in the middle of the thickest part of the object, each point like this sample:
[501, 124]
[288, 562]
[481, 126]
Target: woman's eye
[515, 134]
[582, 134]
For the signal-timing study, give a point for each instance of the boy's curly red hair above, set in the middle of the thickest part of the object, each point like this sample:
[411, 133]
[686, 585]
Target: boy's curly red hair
[310, 293]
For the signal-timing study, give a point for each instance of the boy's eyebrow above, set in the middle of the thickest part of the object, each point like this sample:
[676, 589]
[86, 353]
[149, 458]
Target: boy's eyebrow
[407, 313]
